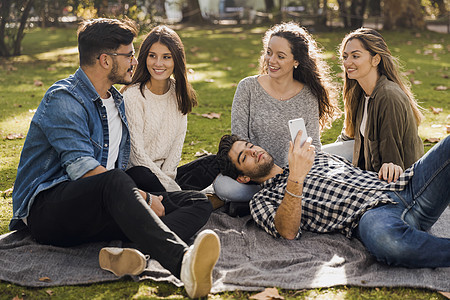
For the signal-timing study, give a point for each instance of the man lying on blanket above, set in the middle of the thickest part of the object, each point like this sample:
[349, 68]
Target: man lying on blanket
[321, 192]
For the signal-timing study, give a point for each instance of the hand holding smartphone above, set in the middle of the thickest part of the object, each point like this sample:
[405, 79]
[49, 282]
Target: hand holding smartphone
[296, 125]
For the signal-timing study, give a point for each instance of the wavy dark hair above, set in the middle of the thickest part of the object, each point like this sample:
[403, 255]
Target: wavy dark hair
[312, 69]
[373, 41]
[226, 166]
[186, 96]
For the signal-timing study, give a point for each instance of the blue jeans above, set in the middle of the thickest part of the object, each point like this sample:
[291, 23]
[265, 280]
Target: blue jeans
[396, 233]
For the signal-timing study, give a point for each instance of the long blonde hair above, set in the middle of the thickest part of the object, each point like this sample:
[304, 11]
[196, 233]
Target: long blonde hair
[389, 66]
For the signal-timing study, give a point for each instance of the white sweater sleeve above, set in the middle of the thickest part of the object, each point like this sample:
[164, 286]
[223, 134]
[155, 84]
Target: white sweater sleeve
[134, 107]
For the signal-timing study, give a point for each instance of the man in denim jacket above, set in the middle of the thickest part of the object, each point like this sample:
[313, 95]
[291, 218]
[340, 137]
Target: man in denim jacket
[71, 184]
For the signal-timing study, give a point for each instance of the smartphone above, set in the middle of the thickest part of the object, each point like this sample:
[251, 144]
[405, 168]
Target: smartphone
[296, 125]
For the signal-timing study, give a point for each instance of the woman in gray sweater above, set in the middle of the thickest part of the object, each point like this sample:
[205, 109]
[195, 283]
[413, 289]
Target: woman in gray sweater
[294, 82]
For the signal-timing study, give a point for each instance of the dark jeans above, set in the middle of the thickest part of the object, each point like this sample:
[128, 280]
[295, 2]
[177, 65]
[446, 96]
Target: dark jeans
[108, 206]
[196, 175]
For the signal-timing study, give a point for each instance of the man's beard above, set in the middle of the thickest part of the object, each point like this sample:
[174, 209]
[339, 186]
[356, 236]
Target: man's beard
[263, 170]
[114, 76]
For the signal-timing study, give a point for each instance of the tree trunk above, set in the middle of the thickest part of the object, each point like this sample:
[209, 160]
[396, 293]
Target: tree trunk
[192, 13]
[23, 21]
[270, 5]
[357, 9]
[5, 9]
[161, 8]
[343, 12]
[321, 20]
[374, 7]
[403, 14]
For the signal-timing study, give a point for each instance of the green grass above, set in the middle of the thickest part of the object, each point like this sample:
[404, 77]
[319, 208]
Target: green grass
[219, 57]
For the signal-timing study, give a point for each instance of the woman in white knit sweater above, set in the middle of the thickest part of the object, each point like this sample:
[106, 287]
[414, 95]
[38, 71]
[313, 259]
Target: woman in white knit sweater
[157, 107]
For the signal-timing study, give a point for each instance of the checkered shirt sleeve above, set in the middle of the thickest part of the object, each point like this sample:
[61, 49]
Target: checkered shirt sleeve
[335, 196]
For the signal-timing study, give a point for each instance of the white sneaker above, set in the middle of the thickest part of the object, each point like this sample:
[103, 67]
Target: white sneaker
[122, 261]
[198, 263]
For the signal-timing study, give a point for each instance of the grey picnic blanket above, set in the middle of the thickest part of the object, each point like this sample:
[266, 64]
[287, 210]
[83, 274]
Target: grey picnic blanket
[250, 260]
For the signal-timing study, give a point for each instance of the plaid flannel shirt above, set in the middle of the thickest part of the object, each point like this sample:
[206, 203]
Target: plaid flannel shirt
[335, 196]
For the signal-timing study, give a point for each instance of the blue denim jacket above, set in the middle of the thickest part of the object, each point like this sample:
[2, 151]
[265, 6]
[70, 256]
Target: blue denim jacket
[68, 137]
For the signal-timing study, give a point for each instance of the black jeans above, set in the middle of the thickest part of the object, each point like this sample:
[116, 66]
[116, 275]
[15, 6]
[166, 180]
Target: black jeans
[107, 207]
[196, 175]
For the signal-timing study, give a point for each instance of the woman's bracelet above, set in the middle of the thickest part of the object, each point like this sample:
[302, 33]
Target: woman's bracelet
[149, 199]
[296, 181]
[294, 195]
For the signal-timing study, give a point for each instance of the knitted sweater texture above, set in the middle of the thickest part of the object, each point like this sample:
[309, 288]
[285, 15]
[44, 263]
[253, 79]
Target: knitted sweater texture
[157, 131]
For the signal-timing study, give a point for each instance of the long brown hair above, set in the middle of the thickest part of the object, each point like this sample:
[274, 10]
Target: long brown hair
[389, 66]
[312, 70]
[186, 96]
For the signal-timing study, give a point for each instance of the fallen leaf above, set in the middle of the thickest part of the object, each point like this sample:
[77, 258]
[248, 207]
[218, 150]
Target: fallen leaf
[14, 136]
[409, 72]
[448, 128]
[432, 140]
[51, 69]
[445, 294]
[267, 294]
[440, 88]
[11, 68]
[215, 58]
[437, 46]
[45, 279]
[194, 49]
[191, 71]
[228, 68]
[211, 116]
[416, 82]
[418, 51]
[7, 193]
[209, 80]
[17, 298]
[251, 65]
[202, 153]
[38, 83]
[50, 292]
[436, 110]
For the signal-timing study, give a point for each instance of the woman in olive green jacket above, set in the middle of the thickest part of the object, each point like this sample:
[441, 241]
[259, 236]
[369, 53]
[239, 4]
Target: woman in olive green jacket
[381, 113]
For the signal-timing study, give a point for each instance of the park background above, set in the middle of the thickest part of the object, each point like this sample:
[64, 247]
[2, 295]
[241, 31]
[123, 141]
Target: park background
[222, 40]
